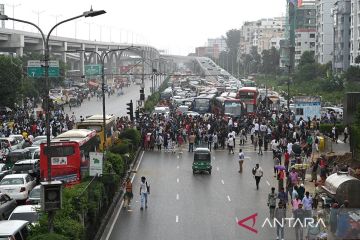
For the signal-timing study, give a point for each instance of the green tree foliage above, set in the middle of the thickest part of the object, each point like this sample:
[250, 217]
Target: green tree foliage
[270, 60]
[353, 74]
[133, 135]
[115, 163]
[308, 69]
[48, 236]
[10, 80]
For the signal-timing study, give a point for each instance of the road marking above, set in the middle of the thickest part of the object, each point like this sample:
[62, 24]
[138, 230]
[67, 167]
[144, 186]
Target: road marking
[177, 166]
[236, 219]
[217, 168]
[177, 180]
[228, 197]
[177, 196]
[267, 182]
[122, 203]
[177, 218]
[222, 181]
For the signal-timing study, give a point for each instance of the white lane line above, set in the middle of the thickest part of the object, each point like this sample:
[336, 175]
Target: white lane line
[217, 168]
[122, 202]
[177, 218]
[228, 197]
[177, 196]
[177, 180]
[177, 166]
[222, 181]
[267, 182]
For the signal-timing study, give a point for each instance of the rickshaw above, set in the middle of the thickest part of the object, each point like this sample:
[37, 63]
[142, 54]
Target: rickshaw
[202, 160]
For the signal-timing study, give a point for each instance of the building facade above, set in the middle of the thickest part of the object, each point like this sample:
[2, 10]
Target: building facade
[305, 29]
[324, 31]
[342, 34]
[355, 31]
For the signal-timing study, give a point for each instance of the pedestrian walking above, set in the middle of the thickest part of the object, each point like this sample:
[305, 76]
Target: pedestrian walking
[230, 143]
[307, 202]
[191, 141]
[346, 133]
[258, 173]
[241, 160]
[280, 215]
[271, 202]
[299, 216]
[261, 141]
[144, 192]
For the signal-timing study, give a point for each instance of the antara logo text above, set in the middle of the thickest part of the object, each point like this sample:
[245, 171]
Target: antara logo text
[289, 222]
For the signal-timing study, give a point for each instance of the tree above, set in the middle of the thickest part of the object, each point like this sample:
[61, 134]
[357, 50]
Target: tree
[270, 60]
[352, 74]
[232, 42]
[10, 80]
[306, 70]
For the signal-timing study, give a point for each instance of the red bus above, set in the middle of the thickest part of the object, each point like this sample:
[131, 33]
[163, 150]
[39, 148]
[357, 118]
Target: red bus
[229, 106]
[249, 96]
[69, 155]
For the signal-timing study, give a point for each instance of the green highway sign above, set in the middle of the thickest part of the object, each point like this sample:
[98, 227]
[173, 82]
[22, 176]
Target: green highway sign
[93, 69]
[36, 68]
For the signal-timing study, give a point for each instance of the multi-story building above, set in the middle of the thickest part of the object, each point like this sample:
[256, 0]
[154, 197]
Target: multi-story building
[305, 29]
[324, 31]
[341, 17]
[218, 43]
[260, 33]
[355, 31]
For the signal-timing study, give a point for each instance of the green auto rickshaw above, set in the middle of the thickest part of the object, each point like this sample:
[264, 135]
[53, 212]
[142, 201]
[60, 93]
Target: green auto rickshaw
[202, 160]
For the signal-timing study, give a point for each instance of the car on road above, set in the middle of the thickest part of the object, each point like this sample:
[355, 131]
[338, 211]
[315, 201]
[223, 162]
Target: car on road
[14, 230]
[7, 205]
[202, 160]
[30, 166]
[17, 186]
[4, 170]
[16, 155]
[30, 213]
[191, 113]
[34, 196]
[38, 142]
[10, 142]
[19, 138]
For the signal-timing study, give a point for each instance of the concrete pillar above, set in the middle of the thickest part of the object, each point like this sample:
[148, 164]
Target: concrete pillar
[19, 52]
[64, 49]
[96, 56]
[82, 60]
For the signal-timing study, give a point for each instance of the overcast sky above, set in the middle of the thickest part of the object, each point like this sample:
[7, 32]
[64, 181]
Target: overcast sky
[175, 26]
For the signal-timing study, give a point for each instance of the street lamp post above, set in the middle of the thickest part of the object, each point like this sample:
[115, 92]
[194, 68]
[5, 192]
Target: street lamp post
[46, 50]
[102, 60]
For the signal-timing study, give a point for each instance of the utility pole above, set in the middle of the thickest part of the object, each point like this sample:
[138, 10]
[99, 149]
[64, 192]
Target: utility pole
[56, 21]
[13, 11]
[38, 15]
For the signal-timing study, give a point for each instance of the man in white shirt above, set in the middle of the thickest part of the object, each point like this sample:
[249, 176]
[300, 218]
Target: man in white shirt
[256, 128]
[144, 191]
[289, 147]
[307, 202]
[258, 173]
[241, 160]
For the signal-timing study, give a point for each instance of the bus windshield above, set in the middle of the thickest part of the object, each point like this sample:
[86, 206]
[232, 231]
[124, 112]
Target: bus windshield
[246, 95]
[232, 108]
[202, 102]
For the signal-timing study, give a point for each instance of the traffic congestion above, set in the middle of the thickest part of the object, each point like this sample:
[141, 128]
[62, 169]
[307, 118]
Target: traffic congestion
[203, 118]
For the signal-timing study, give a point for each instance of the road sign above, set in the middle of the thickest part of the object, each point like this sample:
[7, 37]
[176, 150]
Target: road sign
[96, 163]
[93, 69]
[36, 68]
